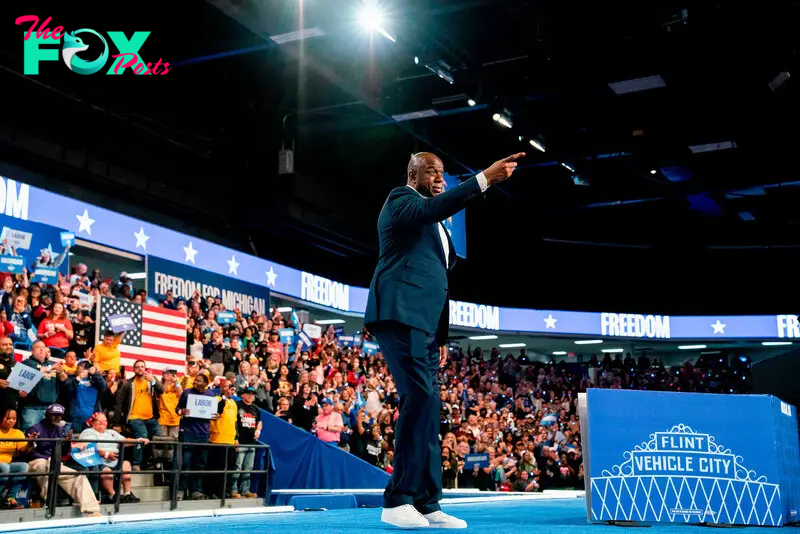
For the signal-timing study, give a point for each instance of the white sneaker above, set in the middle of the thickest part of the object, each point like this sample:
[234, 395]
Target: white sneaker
[439, 519]
[405, 516]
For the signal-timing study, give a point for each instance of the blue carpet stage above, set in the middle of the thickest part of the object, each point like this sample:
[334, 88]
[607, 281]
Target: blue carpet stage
[563, 516]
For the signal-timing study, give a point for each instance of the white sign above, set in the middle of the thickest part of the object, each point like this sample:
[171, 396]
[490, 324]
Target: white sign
[202, 406]
[313, 330]
[24, 378]
[16, 238]
[325, 292]
[633, 325]
[14, 203]
[474, 315]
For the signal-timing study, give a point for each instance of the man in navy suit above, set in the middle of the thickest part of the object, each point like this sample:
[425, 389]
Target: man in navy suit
[408, 312]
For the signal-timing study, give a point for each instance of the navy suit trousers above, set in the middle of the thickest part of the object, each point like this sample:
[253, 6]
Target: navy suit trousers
[413, 359]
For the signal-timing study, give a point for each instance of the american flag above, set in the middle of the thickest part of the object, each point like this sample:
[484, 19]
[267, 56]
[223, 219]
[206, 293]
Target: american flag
[159, 338]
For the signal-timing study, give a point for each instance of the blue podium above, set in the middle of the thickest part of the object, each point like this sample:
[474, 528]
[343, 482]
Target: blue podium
[690, 458]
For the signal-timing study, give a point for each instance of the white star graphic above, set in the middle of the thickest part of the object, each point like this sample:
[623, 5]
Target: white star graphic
[141, 238]
[85, 222]
[233, 267]
[550, 321]
[719, 328]
[190, 252]
[271, 276]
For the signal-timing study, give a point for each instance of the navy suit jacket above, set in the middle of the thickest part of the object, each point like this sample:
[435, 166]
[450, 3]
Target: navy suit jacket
[410, 281]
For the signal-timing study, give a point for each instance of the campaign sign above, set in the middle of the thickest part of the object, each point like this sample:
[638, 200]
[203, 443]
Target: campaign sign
[67, 239]
[313, 330]
[226, 317]
[16, 238]
[24, 378]
[88, 457]
[479, 459]
[683, 458]
[370, 348]
[12, 264]
[121, 323]
[183, 280]
[48, 258]
[306, 340]
[202, 406]
[287, 335]
[346, 341]
[338, 330]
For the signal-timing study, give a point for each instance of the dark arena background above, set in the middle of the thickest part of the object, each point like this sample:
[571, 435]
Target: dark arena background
[622, 307]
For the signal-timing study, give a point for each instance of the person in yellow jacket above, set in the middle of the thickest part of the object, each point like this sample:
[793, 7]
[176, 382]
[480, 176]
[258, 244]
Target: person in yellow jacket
[223, 432]
[168, 419]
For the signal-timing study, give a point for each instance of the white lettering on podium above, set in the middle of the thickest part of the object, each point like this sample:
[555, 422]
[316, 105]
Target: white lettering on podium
[634, 325]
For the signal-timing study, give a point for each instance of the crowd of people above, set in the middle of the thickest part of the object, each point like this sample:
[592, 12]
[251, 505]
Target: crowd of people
[507, 422]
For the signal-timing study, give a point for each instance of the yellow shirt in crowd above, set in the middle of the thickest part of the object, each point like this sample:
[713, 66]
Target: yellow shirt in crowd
[142, 401]
[8, 448]
[223, 430]
[167, 403]
[106, 358]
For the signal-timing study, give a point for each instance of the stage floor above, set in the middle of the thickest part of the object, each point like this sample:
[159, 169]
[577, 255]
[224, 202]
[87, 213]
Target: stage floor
[561, 516]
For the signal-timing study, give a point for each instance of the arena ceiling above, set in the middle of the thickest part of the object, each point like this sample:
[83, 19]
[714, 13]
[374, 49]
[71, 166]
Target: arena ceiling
[689, 188]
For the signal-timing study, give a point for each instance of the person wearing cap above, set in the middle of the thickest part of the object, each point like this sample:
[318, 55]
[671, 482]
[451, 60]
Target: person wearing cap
[329, 423]
[248, 430]
[77, 487]
[167, 402]
[137, 407]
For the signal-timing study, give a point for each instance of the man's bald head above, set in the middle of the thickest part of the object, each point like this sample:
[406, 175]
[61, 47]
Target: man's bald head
[426, 174]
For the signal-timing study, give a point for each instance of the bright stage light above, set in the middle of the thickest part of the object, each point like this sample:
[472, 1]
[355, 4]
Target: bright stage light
[372, 18]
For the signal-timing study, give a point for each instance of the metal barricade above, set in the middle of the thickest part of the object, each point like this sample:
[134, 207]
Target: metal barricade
[176, 471]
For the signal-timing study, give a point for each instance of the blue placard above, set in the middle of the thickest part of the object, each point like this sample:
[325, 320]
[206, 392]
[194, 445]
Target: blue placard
[287, 335]
[164, 275]
[67, 239]
[121, 322]
[369, 347]
[44, 275]
[689, 453]
[305, 340]
[12, 264]
[346, 341]
[338, 330]
[152, 302]
[357, 341]
[226, 317]
[479, 459]
[87, 457]
[47, 258]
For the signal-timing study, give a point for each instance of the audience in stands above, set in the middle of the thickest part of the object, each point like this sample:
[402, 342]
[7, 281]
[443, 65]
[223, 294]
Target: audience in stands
[520, 412]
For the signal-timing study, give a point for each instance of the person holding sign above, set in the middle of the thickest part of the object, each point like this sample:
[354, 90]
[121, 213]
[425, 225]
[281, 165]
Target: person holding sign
[109, 452]
[197, 407]
[8, 395]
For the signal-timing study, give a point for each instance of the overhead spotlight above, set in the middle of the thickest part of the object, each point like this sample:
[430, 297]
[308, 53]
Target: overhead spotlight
[442, 70]
[504, 119]
[569, 167]
[471, 102]
[537, 144]
[653, 171]
[416, 60]
[372, 19]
